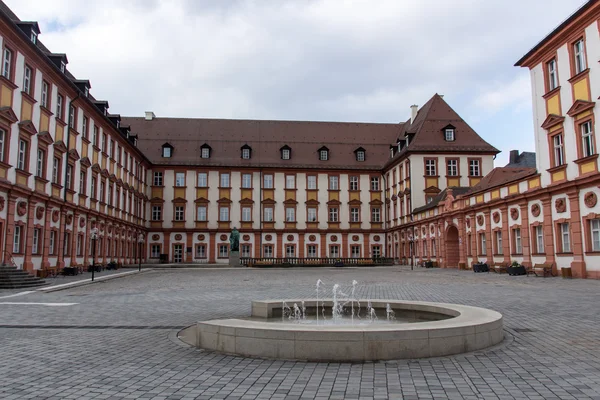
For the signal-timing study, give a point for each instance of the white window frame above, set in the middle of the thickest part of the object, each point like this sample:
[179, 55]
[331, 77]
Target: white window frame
[334, 214]
[430, 167]
[290, 214]
[559, 150]
[200, 250]
[59, 106]
[483, 244]
[267, 181]
[565, 237]
[449, 135]
[69, 176]
[375, 214]
[223, 251]
[22, 154]
[360, 155]
[44, 102]
[587, 139]
[155, 251]
[201, 213]
[268, 251]
[246, 250]
[499, 249]
[166, 153]
[223, 214]
[290, 251]
[290, 181]
[579, 54]
[518, 243]
[39, 169]
[285, 154]
[27, 75]
[7, 63]
[375, 183]
[51, 245]
[82, 182]
[156, 213]
[539, 238]
[595, 234]
[334, 251]
[354, 183]
[246, 214]
[376, 251]
[247, 181]
[179, 179]
[205, 152]
[334, 182]
[355, 251]
[354, 214]
[246, 154]
[311, 182]
[224, 180]
[323, 155]
[311, 214]
[311, 251]
[2, 143]
[17, 239]
[474, 168]
[35, 241]
[158, 178]
[552, 75]
[202, 179]
[452, 167]
[268, 214]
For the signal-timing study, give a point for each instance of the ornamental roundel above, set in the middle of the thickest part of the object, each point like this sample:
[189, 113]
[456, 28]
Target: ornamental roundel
[110, 229]
[246, 238]
[201, 237]
[268, 238]
[69, 219]
[39, 212]
[178, 237]
[424, 231]
[223, 237]
[376, 238]
[333, 238]
[514, 214]
[156, 237]
[2, 201]
[560, 205]
[355, 238]
[312, 238]
[590, 199]
[102, 226]
[480, 220]
[22, 208]
[81, 222]
[535, 210]
[496, 216]
[290, 238]
[394, 197]
[432, 229]
[468, 222]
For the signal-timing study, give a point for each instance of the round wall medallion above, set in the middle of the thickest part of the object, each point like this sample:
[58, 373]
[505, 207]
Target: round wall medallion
[514, 214]
[560, 205]
[39, 212]
[376, 238]
[312, 238]
[178, 237]
[535, 210]
[268, 238]
[590, 199]
[480, 220]
[2, 201]
[333, 238]
[290, 238]
[246, 237]
[424, 231]
[468, 222]
[394, 197]
[156, 237]
[355, 238]
[223, 237]
[69, 219]
[21, 208]
[81, 222]
[201, 237]
[496, 216]
[432, 229]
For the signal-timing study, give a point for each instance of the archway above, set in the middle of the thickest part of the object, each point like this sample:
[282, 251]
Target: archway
[452, 249]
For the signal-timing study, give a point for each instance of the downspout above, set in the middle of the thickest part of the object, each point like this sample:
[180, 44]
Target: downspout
[66, 169]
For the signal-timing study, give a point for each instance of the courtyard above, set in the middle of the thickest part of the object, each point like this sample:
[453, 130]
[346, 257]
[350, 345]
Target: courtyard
[117, 339]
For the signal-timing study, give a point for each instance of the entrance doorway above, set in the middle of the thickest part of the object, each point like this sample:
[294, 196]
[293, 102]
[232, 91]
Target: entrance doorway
[178, 253]
[452, 249]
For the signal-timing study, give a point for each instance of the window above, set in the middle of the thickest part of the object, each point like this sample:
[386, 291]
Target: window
[268, 214]
[290, 181]
[565, 237]
[17, 239]
[375, 183]
[201, 213]
[579, 53]
[498, 242]
[333, 214]
[246, 214]
[156, 213]
[354, 214]
[180, 179]
[72, 117]
[35, 243]
[246, 154]
[375, 215]
[93, 188]
[482, 244]
[202, 179]
[27, 79]
[595, 234]
[22, 159]
[82, 182]
[323, 155]
[539, 239]
[205, 152]
[311, 214]
[80, 245]
[424, 248]
[59, 106]
[84, 127]
[166, 152]
[449, 135]
[311, 182]
[474, 168]
[268, 251]
[312, 251]
[360, 155]
[355, 251]
[52, 241]
[354, 183]
[110, 193]
[45, 88]
[101, 195]
[334, 182]
[246, 181]
[290, 251]
[452, 169]
[552, 75]
[2, 143]
[33, 37]
[223, 251]
[587, 139]
[39, 166]
[334, 251]
[433, 247]
[430, 167]
[559, 157]
[158, 179]
[179, 213]
[224, 214]
[155, 251]
[63, 66]
[111, 148]
[7, 64]
[290, 214]
[200, 251]
[95, 136]
[268, 181]
[69, 176]
[224, 180]
[103, 147]
[285, 154]
[246, 250]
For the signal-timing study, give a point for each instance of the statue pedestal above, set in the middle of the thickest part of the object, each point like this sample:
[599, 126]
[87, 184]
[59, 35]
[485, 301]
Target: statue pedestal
[234, 259]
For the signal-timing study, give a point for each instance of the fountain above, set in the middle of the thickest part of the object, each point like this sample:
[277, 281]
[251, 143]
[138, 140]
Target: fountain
[333, 329]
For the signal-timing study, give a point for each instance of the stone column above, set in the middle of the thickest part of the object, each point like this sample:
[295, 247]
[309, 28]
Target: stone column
[257, 249]
[488, 233]
[505, 234]
[46, 241]
[74, 235]
[189, 242]
[211, 246]
[462, 248]
[323, 248]
[301, 245]
[60, 262]
[279, 238]
[27, 263]
[474, 239]
[578, 264]
[367, 250]
[525, 232]
[548, 230]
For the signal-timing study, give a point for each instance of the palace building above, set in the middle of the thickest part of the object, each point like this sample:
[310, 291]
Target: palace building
[422, 189]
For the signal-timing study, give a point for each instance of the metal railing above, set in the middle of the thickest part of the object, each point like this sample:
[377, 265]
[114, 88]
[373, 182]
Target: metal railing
[313, 261]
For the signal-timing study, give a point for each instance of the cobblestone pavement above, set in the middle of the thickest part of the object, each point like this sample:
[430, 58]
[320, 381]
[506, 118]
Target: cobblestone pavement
[117, 342]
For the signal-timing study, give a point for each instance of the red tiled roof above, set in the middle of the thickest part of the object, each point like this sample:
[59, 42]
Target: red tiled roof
[500, 176]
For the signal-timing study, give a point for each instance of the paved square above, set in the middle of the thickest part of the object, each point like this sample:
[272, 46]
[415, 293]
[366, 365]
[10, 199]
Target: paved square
[118, 340]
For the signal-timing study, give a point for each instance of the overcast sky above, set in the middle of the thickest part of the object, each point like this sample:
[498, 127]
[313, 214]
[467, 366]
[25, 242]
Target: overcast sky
[333, 60]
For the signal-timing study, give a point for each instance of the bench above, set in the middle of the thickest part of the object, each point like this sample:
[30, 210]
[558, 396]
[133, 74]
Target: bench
[500, 267]
[542, 270]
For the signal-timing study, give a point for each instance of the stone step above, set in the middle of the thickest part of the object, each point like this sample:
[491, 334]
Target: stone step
[22, 285]
[13, 278]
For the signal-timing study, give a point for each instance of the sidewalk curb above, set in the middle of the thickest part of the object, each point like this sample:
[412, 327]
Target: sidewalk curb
[89, 281]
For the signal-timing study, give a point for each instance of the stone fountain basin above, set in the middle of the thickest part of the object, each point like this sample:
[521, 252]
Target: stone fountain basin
[459, 329]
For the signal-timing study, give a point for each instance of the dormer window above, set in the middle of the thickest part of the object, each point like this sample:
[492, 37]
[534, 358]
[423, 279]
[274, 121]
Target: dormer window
[63, 66]
[205, 151]
[86, 92]
[286, 152]
[360, 154]
[323, 153]
[33, 37]
[449, 133]
[167, 150]
[246, 152]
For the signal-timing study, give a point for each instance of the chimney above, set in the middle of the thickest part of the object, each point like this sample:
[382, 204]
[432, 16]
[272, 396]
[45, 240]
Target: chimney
[413, 112]
[514, 157]
[150, 116]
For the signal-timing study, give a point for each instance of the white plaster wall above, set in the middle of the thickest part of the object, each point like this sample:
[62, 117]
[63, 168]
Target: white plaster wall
[539, 115]
[518, 221]
[556, 215]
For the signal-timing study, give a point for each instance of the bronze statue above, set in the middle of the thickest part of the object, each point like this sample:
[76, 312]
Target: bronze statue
[234, 240]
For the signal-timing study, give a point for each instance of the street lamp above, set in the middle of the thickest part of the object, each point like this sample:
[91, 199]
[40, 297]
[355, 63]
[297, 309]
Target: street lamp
[140, 241]
[93, 238]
